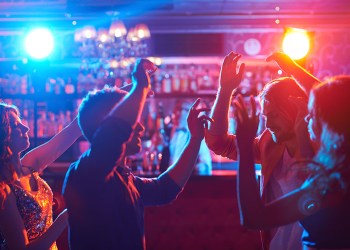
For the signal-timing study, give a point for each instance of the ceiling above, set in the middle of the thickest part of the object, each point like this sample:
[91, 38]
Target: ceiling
[182, 16]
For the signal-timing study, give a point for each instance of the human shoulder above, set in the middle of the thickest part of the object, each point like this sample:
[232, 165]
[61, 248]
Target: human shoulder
[82, 176]
[265, 136]
[265, 142]
[28, 170]
[4, 190]
[7, 197]
[72, 169]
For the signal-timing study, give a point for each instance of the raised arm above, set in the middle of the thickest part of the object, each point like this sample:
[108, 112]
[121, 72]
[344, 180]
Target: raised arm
[217, 137]
[14, 232]
[182, 169]
[305, 149]
[130, 108]
[229, 80]
[42, 156]
[304, 78]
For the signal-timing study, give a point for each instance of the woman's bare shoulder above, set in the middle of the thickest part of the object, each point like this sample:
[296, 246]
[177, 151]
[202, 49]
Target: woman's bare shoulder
[6, 196]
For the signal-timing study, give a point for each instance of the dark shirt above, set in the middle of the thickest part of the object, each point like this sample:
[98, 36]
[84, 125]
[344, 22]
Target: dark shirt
[106, 204]
[329, 227]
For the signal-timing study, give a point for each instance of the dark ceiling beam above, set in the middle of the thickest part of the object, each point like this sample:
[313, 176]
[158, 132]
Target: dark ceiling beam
[181, 16]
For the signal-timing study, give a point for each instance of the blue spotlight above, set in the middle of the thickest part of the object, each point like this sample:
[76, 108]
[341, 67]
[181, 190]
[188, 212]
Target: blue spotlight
[39, 43]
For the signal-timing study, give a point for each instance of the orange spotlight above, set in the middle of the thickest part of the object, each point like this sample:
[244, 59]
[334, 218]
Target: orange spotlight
[296, 43]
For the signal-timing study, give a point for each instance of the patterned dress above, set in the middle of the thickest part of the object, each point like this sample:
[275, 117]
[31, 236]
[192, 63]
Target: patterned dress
[35, 208]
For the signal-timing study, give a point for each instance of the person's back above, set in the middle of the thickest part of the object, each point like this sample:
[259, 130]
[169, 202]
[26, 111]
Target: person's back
[329, 227]
[103, 215]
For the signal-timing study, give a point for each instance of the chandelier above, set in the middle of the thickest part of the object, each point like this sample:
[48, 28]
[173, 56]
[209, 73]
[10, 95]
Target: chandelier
[113, 51]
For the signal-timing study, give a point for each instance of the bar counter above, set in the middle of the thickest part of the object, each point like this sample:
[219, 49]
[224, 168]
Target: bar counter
[205, 215]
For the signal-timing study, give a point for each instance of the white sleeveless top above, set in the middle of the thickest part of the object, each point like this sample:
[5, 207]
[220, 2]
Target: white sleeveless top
[284, 180]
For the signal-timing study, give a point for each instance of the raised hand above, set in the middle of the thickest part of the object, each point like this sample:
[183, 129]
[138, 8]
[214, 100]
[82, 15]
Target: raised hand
[198, 123]
[283, 61]
[300, 127]
[142, 70]
[304, 78]
[301, 107]
[229, 77]
[247, 124]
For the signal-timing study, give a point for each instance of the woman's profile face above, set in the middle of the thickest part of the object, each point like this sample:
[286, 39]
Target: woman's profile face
[19, 139]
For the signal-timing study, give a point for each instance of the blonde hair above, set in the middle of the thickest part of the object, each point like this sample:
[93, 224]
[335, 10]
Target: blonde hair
[279, 90]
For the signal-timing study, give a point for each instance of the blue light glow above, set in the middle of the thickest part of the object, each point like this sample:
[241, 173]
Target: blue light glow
[39, 43]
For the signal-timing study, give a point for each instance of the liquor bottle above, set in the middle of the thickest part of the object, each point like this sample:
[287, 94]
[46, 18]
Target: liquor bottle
[184, 81]
[69, 87]
[193, 88]
[156, 82]
[166, 83]
[207, 81]
[159, 142]
[176, 81]
[24, 85]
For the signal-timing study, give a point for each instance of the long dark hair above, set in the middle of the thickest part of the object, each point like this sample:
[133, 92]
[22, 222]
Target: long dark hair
[331, 106]
[7, 172]
[331, 165]
[331, 103]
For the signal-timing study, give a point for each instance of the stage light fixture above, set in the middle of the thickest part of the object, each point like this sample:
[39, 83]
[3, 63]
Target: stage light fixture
[39, 43]
[296, 43]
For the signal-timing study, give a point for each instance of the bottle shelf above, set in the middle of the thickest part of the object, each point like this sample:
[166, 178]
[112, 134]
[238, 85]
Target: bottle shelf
[208, 94]
[70, 97]
[48, 107]
[43, 96]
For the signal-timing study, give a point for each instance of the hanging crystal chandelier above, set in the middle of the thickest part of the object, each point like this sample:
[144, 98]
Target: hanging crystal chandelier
[103, 50]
